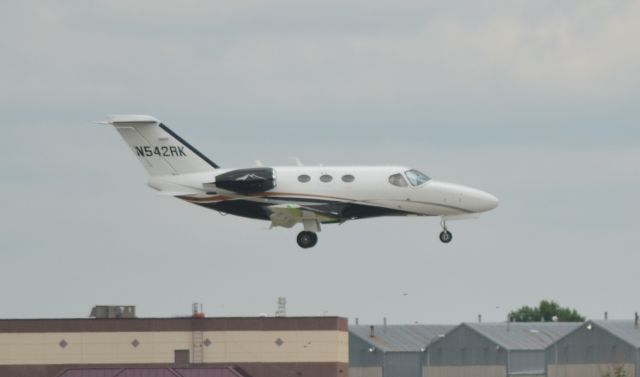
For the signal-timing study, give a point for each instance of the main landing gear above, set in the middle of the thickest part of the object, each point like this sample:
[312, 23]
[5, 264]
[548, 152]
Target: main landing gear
[309, 236]
[307, 239]
[445, 235]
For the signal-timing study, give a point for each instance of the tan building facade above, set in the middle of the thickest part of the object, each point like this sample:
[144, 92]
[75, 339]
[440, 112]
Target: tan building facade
[307, 346]
[466, 371]
[589, 370]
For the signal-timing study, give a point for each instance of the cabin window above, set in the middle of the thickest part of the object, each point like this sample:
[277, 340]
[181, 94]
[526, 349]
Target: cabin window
[348, 178]
[326, 178]
[416, 178]
[398, 180]
[304, 178]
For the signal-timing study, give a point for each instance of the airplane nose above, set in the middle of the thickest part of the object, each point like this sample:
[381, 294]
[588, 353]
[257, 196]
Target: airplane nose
[485, 201]
[466, 199]
[480, 201]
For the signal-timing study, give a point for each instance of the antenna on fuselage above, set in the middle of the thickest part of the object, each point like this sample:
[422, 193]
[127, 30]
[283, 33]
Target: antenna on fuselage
[259, 163]
[298, 162]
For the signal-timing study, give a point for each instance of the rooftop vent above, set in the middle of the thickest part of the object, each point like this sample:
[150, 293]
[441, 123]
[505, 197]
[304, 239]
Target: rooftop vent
[113, 311]
[282, 307]
[197, 311]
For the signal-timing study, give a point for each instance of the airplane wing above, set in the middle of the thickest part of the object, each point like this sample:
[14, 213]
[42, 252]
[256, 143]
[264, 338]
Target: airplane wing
[288, 215]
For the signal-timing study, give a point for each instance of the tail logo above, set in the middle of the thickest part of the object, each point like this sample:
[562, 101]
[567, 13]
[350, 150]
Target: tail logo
[163, 151]
[249, 177]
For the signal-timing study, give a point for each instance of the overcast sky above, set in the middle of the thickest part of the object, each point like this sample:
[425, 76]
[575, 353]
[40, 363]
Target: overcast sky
[537, 102]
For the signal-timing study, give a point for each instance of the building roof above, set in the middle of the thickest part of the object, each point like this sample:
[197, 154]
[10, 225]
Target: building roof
[400, 338]
[173, 324]
[625, 330]
[524, 335]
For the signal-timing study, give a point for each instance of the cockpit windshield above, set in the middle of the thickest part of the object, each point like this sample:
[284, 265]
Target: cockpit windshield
[398, 180]
[416, 178]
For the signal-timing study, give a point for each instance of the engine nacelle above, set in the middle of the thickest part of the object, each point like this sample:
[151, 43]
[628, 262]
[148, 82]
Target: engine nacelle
[247, 181]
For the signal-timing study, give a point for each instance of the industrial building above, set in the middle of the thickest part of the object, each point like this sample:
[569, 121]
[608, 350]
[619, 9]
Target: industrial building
[494, 349]
[466, 350]
[391, 350]
[595, 348]
[585, 349]
[126, 346]
[117, 344]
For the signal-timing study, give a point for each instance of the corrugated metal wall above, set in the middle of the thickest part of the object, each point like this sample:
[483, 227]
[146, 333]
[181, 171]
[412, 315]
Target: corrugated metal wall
[363, 363]
[359, 355]
[403, 364]
[586, 352]
[527, 362]
[590, 353]
[464, 346]
[595, 346]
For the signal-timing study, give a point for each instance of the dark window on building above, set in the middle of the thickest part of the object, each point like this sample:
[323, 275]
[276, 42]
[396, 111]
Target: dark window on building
[348, 178]
[304, 178]
[326, 178]
[181, 358]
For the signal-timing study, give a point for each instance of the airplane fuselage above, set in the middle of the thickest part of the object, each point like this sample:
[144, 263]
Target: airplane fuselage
[351, 192]
[286, 196]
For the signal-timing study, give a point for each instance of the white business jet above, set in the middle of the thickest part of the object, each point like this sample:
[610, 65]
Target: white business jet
[286, 196]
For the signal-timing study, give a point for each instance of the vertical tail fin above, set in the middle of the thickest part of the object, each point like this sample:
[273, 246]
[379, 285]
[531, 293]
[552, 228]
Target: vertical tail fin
[160, 150]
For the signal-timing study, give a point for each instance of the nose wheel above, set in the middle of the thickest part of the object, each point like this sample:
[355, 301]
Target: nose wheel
[445, 235]
[307, 239]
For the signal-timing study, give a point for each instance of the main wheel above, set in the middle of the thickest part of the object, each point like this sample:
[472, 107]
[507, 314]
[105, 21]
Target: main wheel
[446, 236]
[307, 239]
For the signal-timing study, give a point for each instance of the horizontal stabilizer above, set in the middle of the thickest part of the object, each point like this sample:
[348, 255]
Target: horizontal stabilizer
[112, 119]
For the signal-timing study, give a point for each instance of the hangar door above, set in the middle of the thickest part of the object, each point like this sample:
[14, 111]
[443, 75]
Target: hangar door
[402, 364]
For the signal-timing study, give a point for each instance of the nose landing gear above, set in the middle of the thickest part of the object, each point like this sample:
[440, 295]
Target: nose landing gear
[445, 235]
[307, 239]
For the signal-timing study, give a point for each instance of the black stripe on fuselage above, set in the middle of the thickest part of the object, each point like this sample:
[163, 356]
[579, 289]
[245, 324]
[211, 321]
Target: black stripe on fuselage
[440, 205]
[243, 208]
[304, 201]
[342, 211]
[297, 200]
[191, 148]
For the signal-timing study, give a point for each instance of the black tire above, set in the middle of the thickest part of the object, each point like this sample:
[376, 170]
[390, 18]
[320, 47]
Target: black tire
[307, 239]
[446, 236]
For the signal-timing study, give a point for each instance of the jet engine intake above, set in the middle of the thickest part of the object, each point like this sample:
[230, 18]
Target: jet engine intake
[247, 181]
